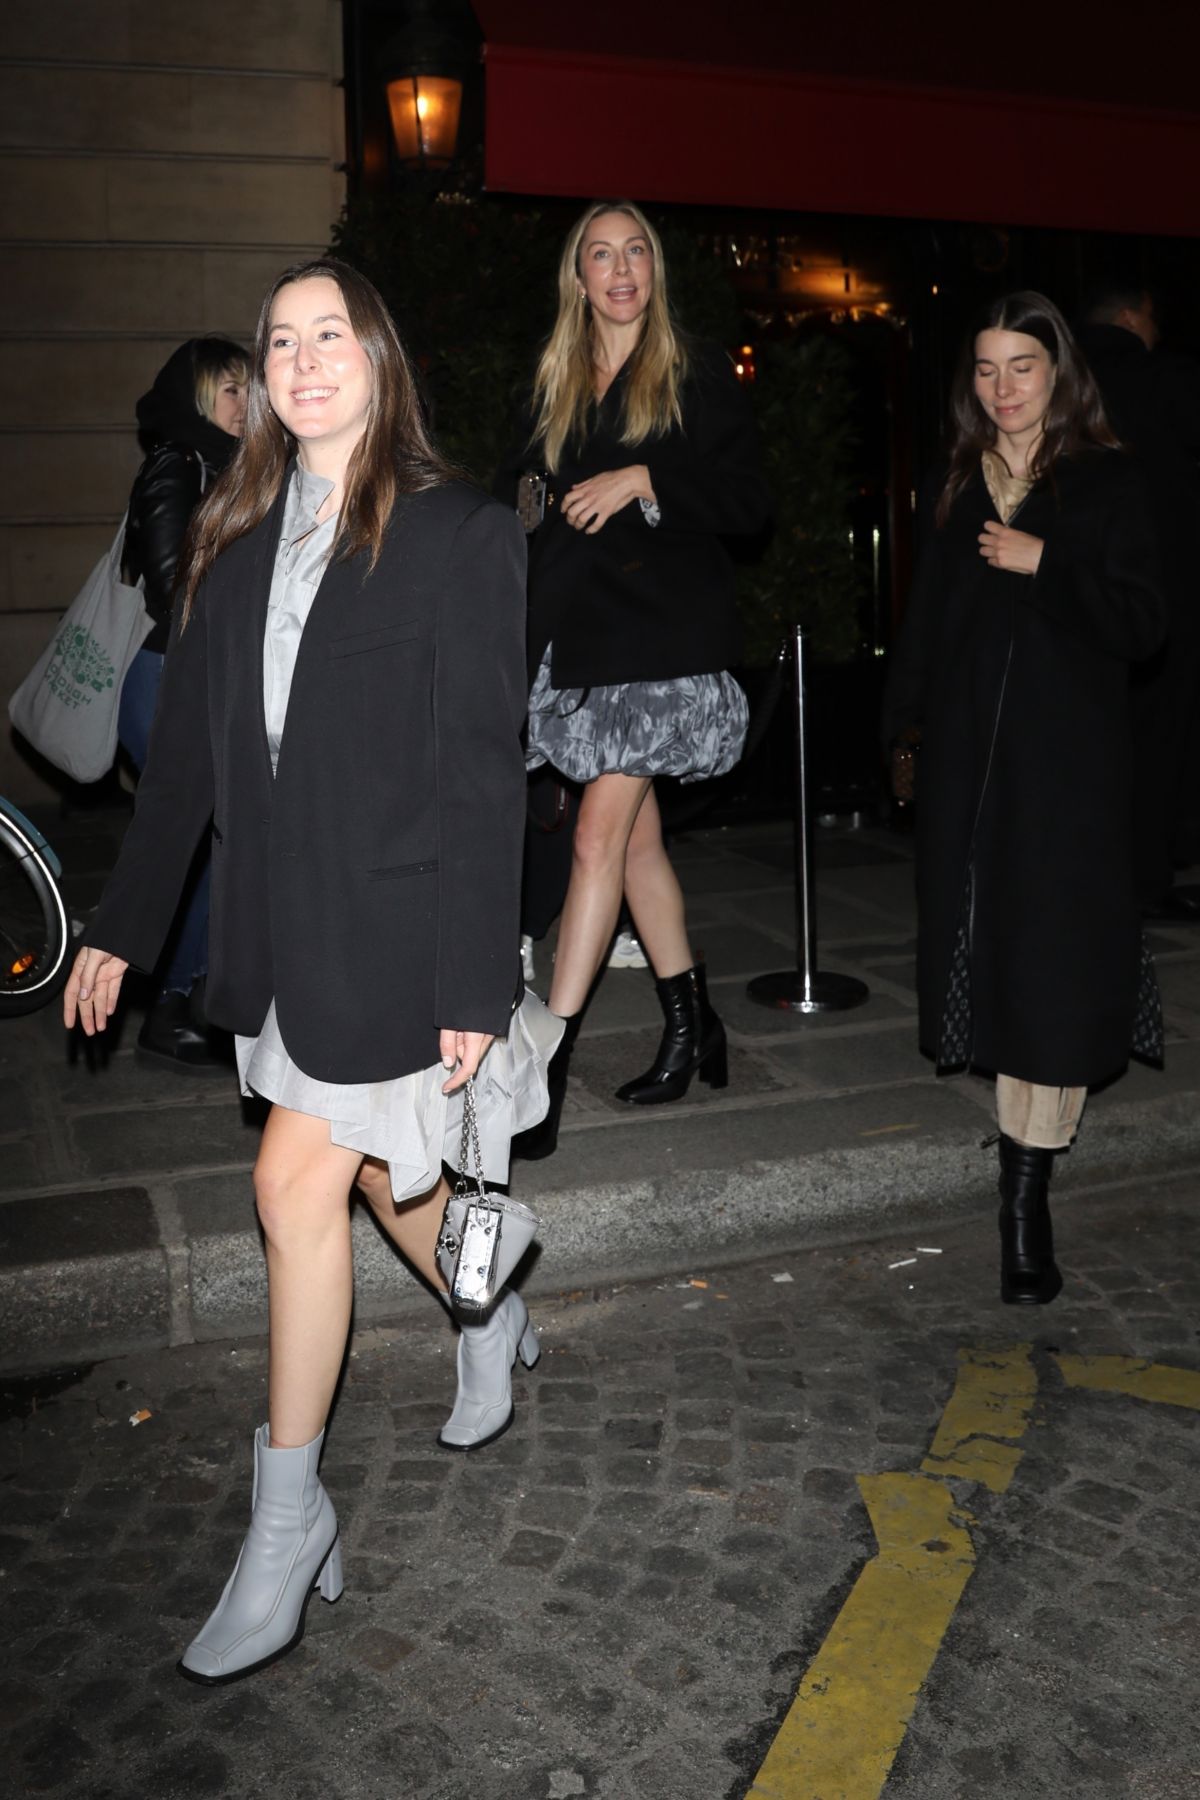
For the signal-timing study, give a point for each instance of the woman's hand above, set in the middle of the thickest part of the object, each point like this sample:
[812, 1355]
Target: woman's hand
[467, 1049]
[1005, 548]
[93, 990]
[593, 503]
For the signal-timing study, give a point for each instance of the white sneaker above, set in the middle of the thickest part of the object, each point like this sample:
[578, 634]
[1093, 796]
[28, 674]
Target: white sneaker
[527, 968]
[627, 953]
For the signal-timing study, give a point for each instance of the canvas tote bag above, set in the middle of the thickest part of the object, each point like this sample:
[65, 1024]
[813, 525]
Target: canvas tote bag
[67, 704]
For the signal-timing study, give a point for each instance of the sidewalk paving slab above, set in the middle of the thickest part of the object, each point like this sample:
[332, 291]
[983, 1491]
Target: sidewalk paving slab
[126, 1211]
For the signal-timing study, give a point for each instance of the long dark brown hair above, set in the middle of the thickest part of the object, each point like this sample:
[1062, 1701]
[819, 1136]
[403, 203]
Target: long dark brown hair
[1074, 419]
[394, 456]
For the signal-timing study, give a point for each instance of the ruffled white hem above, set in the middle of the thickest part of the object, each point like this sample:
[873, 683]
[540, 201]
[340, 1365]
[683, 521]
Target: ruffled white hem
[409, 1123]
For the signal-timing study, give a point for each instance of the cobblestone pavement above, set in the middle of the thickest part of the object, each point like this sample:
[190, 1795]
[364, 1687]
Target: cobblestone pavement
[619, 1598]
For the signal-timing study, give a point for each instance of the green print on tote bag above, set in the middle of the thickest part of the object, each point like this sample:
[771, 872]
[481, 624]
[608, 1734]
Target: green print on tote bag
[66, 707]
[81, 669]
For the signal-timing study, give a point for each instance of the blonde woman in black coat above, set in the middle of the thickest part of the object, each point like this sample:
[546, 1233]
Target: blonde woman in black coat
[343, 699]
[652, 459]
[1035, 592]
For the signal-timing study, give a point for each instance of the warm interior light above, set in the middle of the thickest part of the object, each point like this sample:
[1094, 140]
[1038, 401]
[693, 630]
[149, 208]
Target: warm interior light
[23, 963]
[743, 363]
[425, 110]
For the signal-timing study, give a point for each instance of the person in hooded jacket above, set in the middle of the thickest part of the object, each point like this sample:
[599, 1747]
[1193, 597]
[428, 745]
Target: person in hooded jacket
[189, 423]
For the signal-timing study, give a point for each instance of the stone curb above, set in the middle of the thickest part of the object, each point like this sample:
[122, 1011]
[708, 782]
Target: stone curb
[93, 1307]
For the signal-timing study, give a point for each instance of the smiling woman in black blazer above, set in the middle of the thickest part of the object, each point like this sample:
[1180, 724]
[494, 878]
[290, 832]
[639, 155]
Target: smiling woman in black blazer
[343, 699]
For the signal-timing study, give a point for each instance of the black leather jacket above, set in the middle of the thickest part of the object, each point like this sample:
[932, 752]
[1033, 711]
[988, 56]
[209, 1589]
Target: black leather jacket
[165, 491]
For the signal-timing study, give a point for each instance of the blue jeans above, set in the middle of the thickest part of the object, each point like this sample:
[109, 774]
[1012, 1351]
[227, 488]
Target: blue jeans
[185, 958]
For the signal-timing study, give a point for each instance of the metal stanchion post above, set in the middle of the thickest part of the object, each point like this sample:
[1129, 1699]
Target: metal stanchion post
[804, 989]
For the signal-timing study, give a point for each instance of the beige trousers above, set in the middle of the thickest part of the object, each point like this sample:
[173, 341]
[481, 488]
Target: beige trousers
[1046, 1118]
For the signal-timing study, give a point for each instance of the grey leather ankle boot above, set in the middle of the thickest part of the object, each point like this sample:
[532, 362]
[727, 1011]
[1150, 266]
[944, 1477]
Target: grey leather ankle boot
[290, 1548]
[483, 1409]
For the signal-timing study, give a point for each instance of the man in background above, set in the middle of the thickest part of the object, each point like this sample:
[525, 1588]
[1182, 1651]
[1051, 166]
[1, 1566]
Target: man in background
[1152, 398]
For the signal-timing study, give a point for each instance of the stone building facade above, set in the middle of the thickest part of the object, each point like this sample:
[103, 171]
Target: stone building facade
[160, 161]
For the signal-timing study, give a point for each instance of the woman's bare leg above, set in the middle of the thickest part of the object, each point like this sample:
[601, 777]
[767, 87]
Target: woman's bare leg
[606, 817]
[655, 896]
[302, 1184]
[412, 1226]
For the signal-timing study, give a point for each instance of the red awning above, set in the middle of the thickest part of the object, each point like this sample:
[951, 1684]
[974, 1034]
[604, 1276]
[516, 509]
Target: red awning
[1116, 148]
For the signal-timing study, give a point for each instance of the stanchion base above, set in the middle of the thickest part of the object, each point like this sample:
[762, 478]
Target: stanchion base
[789, 992]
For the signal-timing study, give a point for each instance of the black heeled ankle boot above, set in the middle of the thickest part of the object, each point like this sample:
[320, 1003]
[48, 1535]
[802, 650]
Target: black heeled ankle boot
[693, 1043]
[1029, 1275]
[542, 1139]
[175, 1035]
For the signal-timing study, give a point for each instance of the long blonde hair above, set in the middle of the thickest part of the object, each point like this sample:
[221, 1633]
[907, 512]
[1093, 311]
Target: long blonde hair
[564, 388]
[394, 456]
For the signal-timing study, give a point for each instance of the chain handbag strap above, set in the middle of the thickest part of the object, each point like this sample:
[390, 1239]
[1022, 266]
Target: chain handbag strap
[470, 1152]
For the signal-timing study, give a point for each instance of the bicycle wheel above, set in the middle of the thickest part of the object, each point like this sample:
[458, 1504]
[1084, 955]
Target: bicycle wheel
[34, 936]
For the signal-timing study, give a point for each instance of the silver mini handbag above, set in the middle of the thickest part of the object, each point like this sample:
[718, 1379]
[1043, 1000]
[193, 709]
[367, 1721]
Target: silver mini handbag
[484, 1235]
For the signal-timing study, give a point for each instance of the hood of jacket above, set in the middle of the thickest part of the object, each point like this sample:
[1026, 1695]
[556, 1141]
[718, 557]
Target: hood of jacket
[167, 413]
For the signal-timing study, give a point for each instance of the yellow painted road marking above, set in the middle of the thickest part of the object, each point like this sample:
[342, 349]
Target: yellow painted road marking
[992, 1399]
[847, 1722]
[842, 1731]
[1134, 1376]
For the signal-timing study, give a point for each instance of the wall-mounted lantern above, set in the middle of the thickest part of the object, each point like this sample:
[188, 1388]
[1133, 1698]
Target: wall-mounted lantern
[424, 65]
[425, 112]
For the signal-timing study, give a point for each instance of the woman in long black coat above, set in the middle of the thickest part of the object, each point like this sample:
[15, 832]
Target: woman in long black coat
[1035, 592]
[652, 459]
[343, 700]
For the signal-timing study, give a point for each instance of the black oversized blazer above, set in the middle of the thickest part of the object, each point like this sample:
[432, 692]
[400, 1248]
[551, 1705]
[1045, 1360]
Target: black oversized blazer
[1020, 686]
[637, 602]
[372, 887]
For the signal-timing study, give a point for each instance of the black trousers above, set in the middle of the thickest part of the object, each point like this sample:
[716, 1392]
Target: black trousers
[1164, 696]
[549, 833]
